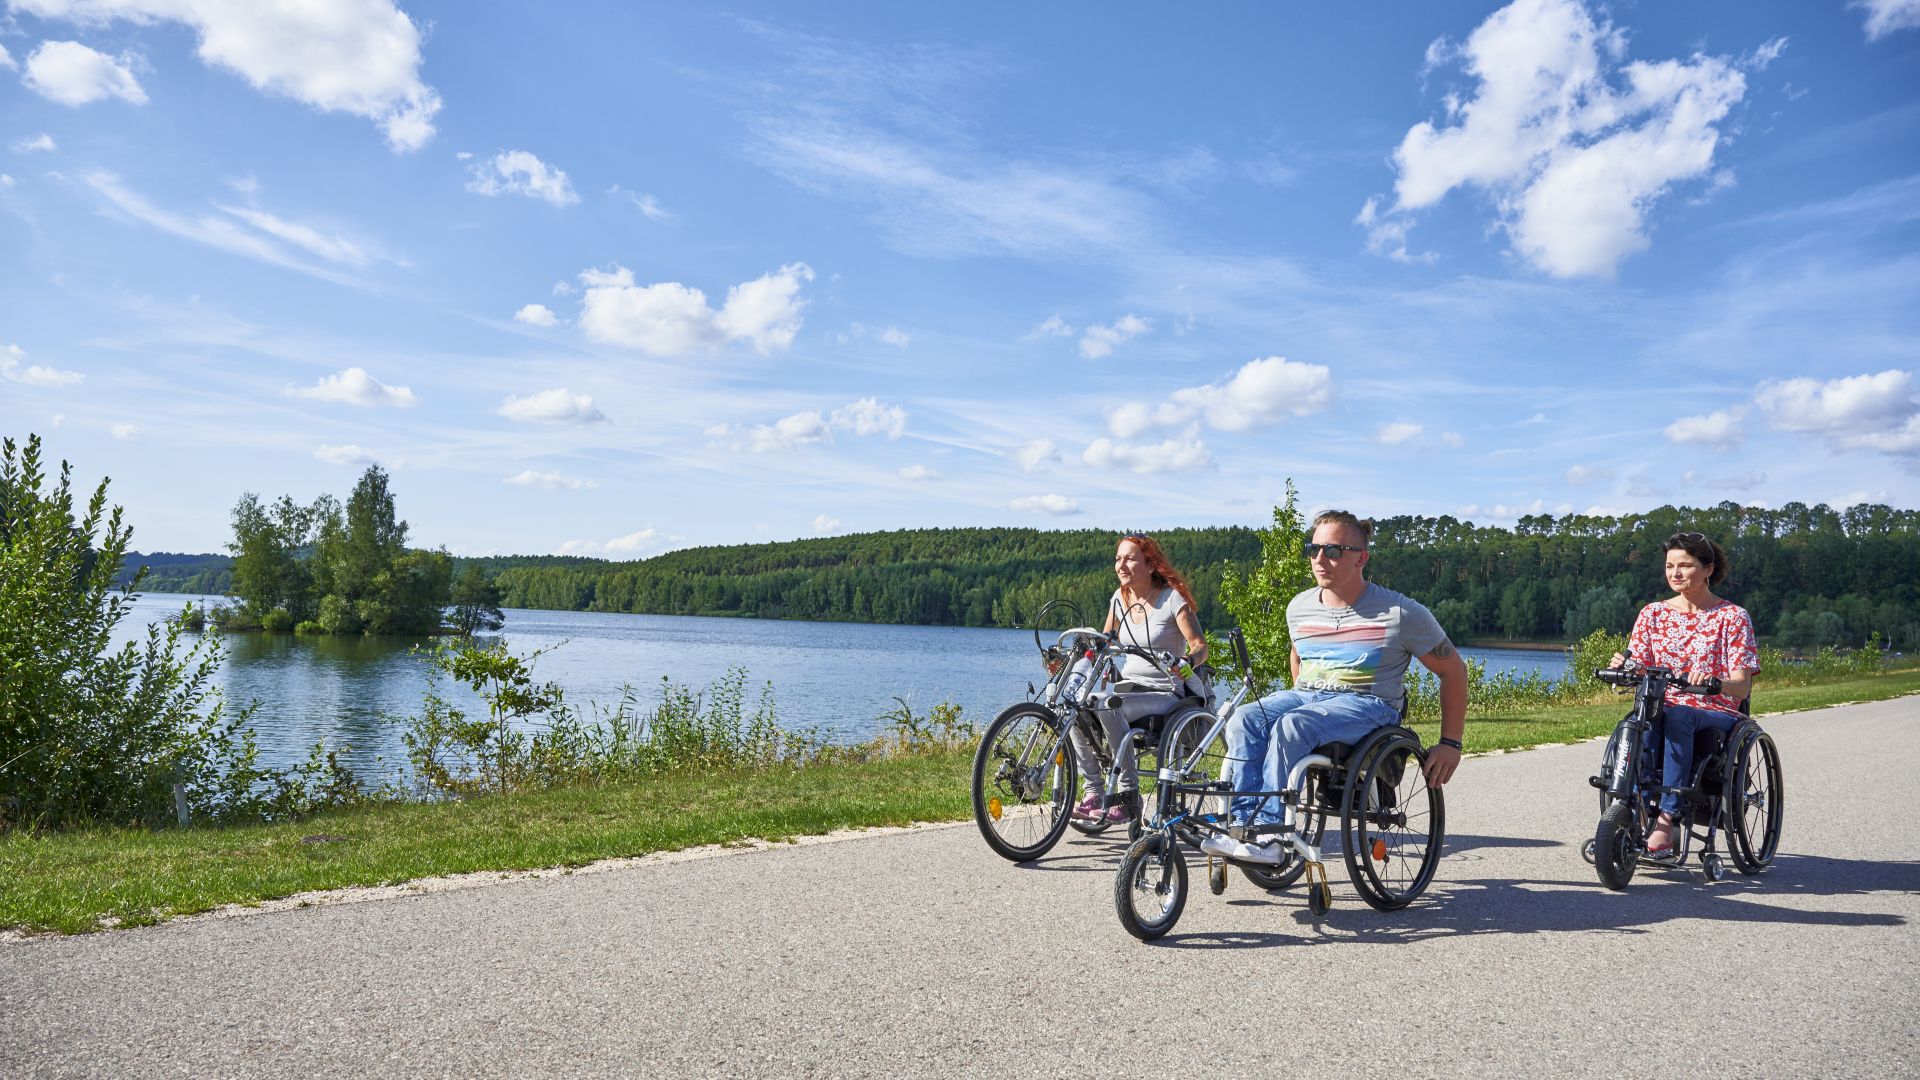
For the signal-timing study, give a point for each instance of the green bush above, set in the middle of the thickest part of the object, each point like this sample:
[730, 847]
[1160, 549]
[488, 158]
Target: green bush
[337, 616]
[277, 621]
[309, 627]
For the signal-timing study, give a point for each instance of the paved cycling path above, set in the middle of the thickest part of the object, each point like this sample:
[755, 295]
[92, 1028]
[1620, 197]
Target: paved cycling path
[922, 953]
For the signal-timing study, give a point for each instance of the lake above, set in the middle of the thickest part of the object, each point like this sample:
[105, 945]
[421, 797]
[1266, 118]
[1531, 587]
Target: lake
[837, 677]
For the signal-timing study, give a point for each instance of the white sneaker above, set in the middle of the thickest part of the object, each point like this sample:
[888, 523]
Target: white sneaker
[1224, 846]
[1271, 853]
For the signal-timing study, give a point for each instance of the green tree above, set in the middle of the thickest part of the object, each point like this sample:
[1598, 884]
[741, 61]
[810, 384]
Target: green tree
[89, 733]
[476, 603]
[1257, 600]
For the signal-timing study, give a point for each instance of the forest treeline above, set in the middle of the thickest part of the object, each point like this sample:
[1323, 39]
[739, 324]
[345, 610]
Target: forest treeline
[1810, 575]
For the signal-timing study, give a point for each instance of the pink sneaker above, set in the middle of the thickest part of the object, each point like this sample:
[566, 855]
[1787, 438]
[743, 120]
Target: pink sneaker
[1088, 809]
[1122, 810]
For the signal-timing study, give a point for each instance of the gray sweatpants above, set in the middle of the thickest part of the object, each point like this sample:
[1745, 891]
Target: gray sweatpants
[1116, 719]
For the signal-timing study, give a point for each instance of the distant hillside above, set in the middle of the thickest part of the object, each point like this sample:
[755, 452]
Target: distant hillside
[179, 573]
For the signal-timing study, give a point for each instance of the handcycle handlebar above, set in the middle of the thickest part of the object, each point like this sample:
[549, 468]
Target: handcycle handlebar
[1631, 675]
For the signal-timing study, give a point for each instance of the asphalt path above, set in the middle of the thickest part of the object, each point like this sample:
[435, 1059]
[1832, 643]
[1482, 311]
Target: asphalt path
[922, 953]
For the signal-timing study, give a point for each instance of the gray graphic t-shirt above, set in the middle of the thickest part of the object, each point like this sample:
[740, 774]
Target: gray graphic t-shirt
[1364, 648]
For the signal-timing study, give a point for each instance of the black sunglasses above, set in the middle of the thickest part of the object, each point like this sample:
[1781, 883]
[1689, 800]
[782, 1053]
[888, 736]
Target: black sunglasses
[1334, 551]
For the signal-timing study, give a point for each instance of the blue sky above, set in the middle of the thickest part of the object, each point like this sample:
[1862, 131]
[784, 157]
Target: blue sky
[610, 279]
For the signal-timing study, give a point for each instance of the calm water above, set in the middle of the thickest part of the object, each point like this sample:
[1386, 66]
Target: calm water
[838, 677]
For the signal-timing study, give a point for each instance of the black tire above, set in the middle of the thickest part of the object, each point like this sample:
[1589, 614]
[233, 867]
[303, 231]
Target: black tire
[1310, 821]
[1319, 898]
[1393, 825]
[1754, 800]
[1023, 777]
[1616, 845]
[1217, 871]
[1151, 889]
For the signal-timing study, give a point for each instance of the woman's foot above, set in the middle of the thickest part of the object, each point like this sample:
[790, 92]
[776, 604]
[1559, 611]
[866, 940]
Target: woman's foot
[1126, 804]
[1088, 809]
[1660, 840]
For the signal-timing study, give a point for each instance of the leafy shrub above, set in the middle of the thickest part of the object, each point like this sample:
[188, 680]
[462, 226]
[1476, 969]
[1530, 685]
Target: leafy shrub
[309, 627]
[277, 621]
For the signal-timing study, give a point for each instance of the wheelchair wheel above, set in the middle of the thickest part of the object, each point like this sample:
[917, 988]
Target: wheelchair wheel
[1023, 775]
[1185, 746]
[1311, 822]
[1616, 845]
[1151, 889]
[1392, 823]
[1754, 800]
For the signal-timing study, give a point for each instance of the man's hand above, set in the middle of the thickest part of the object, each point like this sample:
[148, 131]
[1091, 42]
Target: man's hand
[1441, 762]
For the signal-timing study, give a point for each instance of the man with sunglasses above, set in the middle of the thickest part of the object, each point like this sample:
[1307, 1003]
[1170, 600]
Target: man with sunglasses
[1352, 641]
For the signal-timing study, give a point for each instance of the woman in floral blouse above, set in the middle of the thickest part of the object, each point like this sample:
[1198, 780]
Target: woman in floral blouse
[1699, 636]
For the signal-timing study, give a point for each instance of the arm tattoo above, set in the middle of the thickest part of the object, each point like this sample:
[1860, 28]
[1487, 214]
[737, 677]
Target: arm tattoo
[1442, 651]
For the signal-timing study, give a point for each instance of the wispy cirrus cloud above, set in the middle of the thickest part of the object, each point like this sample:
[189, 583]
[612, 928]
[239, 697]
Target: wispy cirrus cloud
[246, 232]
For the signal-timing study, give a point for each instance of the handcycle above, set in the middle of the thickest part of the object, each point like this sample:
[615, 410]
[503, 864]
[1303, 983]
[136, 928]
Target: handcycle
[1736, 787]
[1392, 824]
[1025, 778]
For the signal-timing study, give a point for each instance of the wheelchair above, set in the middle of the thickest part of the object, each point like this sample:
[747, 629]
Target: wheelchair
[1392, 824]
[1025, 779]
[1736, 788]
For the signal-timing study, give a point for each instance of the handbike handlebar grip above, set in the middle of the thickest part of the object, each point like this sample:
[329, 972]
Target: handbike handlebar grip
[1238, 638]
[1706, 686]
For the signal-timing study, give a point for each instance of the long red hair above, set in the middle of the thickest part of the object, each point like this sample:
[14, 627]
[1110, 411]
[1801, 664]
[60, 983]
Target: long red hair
[1164, 575]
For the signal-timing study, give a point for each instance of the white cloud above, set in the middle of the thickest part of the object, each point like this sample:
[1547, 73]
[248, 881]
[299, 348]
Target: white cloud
[1858, 496]
[1574, 164]
[1886, 16]
[1582, 475]
[69, 73]
[1058, 505]
[516, 172]
[1037, 454]
[355, 387]
[1396, 433]
[1100, 341]
[555, 406]
[28, 144]
[1838, 407]
[918, 473]
[646, 204]
[671, 319]
[6, 59]
[800, 429]
[11, 357]
[1721, 430]
[894, 336]
[550, 480]
[1055, 326]
[824, 524]
[215, 232]
[563, 288]
[125, 431]
[1261, 391]
[630, 546]
[535, 315]
[6, 181]
[348, 454]
[1536, 418]
[333, 248]
[1174, 455]
[868, 417]
[360, 57]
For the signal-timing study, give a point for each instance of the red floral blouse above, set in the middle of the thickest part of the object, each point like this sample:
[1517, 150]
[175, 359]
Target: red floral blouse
[1717, 642]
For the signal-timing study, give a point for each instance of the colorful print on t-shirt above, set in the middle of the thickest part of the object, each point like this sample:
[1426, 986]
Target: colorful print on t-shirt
[1714, 643]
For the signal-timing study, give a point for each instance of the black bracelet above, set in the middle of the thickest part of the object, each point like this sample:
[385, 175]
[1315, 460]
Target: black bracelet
[1455, 743]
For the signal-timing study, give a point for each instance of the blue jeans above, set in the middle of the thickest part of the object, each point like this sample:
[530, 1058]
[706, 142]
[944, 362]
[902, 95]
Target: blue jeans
[1265, 738]
[1677, 732]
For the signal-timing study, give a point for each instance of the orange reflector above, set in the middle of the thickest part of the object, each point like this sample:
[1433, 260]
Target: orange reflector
[1379, 851]
[993, 809]
[1059, 757]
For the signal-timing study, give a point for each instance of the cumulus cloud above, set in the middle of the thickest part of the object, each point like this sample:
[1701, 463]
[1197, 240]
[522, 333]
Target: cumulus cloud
[918, 473]
[671, 319]
[1058, 505]
[27, 144]
[1582, 475]
[1858, 412]
[630, 546]
[360, 57]
[1720, 430]
[1055, 326]
[355, 387]
[535, 315]
[517, 172]
[1396, 433]
[1037, 454]
[1261, 391]
[800, 429]
[11, 359]
[69, 73]
[868, 417]
[1574, 144]
[552, 481]
[348, 454]
[556, 406]
[1098, 342]
[1887, 16]
[824, 524]
[1174, 455]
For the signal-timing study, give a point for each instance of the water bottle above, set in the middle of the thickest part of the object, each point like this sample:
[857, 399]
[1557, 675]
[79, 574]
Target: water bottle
[1076, 678]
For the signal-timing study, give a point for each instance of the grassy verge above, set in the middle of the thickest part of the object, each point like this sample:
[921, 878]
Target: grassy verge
[72, 882]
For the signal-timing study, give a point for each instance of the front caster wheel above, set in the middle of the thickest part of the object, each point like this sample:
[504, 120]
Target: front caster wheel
[1151, 890]
[1320, 899]
[1586, 852]
[1713, 866]
[1217, 875]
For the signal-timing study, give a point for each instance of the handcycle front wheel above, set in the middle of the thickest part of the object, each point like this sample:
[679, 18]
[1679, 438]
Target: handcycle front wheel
[1151, 889]
[1616, 845]
[1023, 776]
[1393, 823]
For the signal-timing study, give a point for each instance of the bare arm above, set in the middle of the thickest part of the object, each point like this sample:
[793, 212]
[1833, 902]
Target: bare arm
[1293, 664]
[1445, 662]
[1190, 629]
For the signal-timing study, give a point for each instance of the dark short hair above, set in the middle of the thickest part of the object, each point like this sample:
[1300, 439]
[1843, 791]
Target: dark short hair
[1342, 517]
[1701, 547]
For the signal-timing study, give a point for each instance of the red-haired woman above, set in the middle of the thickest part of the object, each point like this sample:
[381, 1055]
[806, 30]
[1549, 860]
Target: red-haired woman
[1152, 609]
